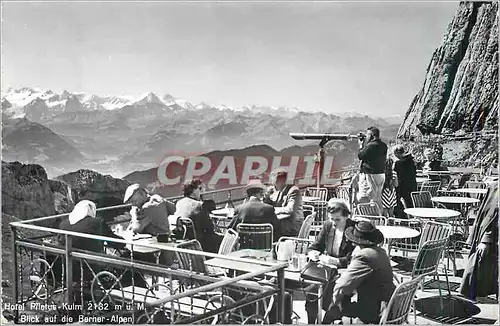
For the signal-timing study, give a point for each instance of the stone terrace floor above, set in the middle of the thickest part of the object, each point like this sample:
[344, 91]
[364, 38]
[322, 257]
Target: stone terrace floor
[489, 309]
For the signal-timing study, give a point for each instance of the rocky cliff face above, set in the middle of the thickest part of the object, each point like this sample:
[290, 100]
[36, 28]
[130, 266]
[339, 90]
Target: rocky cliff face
[26, 191]
[104, 190]
[460, 91]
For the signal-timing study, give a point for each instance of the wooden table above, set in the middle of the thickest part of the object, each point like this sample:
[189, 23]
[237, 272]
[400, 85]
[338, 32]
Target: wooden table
[474, 191]
[398, 232]
[264, 258]
[455, 200]
[432, 213]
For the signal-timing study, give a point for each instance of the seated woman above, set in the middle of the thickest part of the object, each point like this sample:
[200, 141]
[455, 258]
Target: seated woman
[332, 248]
[192, 207]
[83, 220]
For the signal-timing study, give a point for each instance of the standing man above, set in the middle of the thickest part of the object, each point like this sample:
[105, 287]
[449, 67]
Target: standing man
[287, 203]
[372, 153]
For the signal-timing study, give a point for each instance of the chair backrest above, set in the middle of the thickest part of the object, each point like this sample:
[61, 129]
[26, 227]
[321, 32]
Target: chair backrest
[368, 209]
[308, 209]
[344, 192]
[305, 229]
[191, 262]
[255, 236]
[399, 305]
[434, 231]
[431, 186]
[429, 255]
[475, 184]
[421, 199]
[322, 193]
[300, 244]
[190, 231]
[375, 220]
[228, 242]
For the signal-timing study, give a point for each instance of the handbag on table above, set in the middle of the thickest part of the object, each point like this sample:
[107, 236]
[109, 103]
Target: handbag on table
[315, 271]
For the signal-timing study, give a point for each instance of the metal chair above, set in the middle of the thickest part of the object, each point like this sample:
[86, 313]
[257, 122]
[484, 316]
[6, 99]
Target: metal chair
[401, 302]
[368, 209]
[322, 193]
[431, 186]
[190, 262]
[405, 245]
[308, 209]
[421, 199]
[344, 192]
[375, 220]
[228, 242]
[189, 230]
[321, 204]
[434, 231]
[305, 229]
[255, 236]
[475, 184]
[425, 264]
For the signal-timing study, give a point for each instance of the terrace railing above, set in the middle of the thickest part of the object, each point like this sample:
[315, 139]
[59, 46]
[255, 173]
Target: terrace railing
[47, 289]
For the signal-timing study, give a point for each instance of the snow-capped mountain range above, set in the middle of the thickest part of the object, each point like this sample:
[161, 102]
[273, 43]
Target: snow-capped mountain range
[26, 99]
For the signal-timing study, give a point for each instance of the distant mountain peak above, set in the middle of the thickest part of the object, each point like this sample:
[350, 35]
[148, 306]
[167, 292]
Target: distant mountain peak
[149, 98]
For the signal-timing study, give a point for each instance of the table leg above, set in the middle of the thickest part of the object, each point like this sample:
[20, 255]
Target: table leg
[281, 296]
[320, 303]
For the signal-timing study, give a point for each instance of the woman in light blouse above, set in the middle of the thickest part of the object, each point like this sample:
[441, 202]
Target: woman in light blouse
[330, 248]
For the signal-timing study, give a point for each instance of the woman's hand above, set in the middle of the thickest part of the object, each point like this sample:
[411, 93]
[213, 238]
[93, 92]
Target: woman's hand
[329, 260]
[313, 255]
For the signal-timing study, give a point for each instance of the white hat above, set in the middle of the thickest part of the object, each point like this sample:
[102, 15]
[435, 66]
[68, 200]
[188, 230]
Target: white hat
[83, 209]
[131, 191]
[255, 183]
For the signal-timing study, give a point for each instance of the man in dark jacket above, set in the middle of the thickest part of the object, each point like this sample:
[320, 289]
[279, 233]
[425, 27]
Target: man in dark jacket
[369, 273]
[287, 200]
[372, 153]
[254, 211]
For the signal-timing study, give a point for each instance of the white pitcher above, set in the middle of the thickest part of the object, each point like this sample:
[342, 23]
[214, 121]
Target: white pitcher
[284, 250]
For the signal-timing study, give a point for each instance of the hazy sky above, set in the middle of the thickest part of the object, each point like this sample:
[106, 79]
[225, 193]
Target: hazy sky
[335, 57]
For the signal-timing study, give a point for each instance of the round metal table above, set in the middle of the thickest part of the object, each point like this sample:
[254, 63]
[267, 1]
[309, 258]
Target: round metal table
[432, 213]
[454, 200]
[474, 191]
[398, 232]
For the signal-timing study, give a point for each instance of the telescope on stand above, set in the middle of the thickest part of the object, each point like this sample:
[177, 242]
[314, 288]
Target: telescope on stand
[324, 139]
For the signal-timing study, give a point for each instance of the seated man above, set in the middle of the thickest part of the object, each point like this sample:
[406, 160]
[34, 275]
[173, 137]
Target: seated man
[254, 211]
[369, 273]
[149, 212]
[288, 203]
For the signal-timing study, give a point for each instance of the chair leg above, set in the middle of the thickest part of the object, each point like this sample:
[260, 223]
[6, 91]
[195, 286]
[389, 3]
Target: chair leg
[440, 294]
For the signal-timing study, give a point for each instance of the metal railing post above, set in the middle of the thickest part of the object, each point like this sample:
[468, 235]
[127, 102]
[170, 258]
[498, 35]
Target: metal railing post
[14, 270]
[69, 270]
